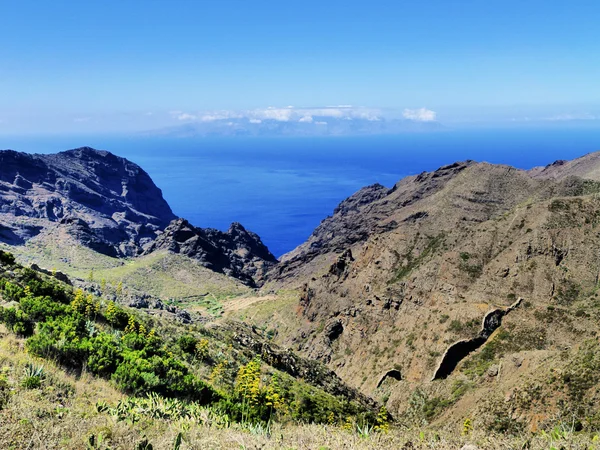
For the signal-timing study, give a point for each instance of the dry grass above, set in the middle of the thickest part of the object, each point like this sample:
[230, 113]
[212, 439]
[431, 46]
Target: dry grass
[61, 414]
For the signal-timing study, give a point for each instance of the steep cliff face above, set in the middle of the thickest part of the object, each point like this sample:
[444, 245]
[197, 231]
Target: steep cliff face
[111, 205]
[237, 252]
[107, 202]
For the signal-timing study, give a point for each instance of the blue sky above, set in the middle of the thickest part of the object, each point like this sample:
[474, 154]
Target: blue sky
[133, 65]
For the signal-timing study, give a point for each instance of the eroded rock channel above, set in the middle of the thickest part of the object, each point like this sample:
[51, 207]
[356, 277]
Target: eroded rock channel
[461, 349]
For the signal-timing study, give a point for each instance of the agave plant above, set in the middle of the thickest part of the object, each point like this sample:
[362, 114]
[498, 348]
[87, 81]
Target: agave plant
[258, 428]
[33, 370]
[90, 328]
[365, 430]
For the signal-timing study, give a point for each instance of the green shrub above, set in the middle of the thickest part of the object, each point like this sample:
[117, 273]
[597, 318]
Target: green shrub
[116, 316]
[12, 291]
[64, 339]
[6, 259]
[104, 355]
[187, 343]
[4, 392]
[42, 308]
[17, 321]
[31, 382]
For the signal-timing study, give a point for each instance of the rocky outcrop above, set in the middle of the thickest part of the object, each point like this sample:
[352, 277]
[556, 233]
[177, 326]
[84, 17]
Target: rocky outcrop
[237, 252]
[366, 213]
[107, 203]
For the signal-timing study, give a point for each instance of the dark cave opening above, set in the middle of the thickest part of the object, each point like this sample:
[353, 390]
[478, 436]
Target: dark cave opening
[394, 374]
[455, 354]
[460, 350]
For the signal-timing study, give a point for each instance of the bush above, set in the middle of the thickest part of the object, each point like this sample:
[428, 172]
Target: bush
[116, 316]
[63, 338]
[17, 321]
[104, 355]
[12, 291]
[42, 308]
[4, 391]
[31, 382]
[187, 343]
[6, 259]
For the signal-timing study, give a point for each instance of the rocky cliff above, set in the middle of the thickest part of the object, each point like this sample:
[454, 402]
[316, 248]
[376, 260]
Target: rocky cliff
[237, 252]
[111, 205]
[107, 202]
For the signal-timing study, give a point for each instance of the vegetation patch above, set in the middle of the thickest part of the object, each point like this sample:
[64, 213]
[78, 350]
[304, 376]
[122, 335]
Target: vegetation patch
[408, 262]
[163, 367]
[505, 341]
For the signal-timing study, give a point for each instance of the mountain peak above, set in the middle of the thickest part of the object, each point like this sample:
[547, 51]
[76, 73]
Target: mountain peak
[118, 201]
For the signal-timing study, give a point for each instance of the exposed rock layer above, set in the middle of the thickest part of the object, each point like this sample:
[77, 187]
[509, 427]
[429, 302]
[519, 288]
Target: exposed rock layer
[108, 203]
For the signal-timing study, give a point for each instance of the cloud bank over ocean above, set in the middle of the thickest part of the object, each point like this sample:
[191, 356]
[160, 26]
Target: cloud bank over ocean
[302, 121]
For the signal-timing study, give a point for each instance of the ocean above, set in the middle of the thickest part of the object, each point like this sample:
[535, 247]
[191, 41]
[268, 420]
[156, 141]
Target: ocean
[281, 188]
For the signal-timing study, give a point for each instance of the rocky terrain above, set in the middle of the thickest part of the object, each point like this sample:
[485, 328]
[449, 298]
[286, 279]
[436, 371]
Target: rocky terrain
[398, 286]
[237, 252]
[112, 206]
[109, 203]
[463, 296]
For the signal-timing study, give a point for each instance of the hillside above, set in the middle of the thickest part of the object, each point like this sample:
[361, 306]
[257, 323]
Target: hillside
[458, 306]
[394, 288]
[206, 375]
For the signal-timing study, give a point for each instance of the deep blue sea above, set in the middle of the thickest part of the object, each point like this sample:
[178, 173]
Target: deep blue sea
[281, 188]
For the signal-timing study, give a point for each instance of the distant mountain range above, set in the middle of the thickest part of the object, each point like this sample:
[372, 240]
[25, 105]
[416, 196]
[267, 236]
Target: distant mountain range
[312, 125]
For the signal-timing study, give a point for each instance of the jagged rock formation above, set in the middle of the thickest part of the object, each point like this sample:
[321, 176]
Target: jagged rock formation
[108, 203]
[236, 252]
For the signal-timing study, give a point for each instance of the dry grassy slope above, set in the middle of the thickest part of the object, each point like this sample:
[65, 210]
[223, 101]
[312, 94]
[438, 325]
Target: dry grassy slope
[62, 414]
[479, 239]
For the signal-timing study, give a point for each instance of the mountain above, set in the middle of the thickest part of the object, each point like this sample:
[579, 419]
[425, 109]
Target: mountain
[237, 252]
[468, 275]
[461, 303]
[111, 205]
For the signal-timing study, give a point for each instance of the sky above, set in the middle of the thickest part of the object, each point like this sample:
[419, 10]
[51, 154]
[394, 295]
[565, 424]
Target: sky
[127, 65]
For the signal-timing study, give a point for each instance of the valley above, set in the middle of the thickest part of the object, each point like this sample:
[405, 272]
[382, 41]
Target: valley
[457, 307]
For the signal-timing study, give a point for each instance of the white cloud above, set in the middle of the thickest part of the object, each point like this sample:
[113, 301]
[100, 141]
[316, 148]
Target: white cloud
[292, 114]
[81, 119]
[569, 117]
[419, 115]
[320, 123]
[186, 116]
[271, 113]
[220, 115]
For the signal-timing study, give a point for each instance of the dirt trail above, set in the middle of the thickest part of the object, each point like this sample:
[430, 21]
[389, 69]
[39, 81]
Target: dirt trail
[238, 304]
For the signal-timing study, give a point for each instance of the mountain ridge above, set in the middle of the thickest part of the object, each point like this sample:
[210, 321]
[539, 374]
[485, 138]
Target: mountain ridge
[111, 205]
